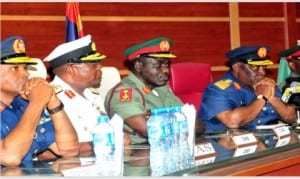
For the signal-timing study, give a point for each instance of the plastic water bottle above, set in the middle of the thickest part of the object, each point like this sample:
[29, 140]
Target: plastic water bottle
[167, 140]
[156, 135]
[185, 157]
[104, 147]
[175, 145]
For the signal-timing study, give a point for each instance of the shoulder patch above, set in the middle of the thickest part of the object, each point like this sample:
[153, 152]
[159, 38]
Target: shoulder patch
[125, 95]
[223, 84]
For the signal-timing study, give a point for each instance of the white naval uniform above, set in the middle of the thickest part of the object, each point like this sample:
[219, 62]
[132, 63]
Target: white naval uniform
[82, 111]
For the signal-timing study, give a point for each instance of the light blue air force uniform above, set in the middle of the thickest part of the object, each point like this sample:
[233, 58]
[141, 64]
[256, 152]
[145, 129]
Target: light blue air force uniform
[44, 135]
[227, 94]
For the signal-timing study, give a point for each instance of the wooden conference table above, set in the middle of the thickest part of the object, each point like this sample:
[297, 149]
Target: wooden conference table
[272, 154]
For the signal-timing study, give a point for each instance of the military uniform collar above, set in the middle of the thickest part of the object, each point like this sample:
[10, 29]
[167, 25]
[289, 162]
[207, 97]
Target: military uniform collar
[137, 81]
[140, 85]
[66, 87]
[234, 79]
[293, 75]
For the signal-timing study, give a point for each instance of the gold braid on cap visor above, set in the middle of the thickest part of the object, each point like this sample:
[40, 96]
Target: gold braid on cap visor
[263, 62]
[162, 55]
[17, 59]
[92, 57]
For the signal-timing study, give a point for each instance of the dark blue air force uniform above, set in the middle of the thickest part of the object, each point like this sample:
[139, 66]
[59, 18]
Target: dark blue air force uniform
[44, 136]
[227, 94]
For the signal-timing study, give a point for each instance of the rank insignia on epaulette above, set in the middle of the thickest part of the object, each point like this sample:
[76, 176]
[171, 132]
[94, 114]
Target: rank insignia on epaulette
[69, 93]
[125, 95]
[2, 107]
[57, 88]
[146, 89]
[236, 86]
[223, 84]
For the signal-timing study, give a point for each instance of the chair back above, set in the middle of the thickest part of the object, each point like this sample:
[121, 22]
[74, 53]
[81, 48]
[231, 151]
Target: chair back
[110, 77]
[188, 81]
[37, 70]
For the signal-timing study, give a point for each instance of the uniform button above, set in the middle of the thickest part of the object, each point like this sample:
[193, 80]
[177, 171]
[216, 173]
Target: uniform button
[272, 111]
[264, 108]
[267, 141]
[35, 151]
[258, 121]
[42, 130]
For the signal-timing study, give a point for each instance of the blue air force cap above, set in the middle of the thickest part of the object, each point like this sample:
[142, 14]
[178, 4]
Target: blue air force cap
[13, 51]
[252, 55]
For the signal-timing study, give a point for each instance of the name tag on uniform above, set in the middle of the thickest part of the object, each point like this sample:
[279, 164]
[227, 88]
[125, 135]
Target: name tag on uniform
[204, 153]
[245, 144]
[282, 131]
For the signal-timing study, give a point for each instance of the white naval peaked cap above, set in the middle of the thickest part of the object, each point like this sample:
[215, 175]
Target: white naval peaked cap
[82, 50]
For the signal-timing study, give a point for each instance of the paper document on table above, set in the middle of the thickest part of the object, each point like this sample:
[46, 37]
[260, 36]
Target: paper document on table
[270, 126]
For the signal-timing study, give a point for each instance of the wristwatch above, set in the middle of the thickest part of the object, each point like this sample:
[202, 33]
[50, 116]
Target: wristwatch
[56, 109]
[262, 97]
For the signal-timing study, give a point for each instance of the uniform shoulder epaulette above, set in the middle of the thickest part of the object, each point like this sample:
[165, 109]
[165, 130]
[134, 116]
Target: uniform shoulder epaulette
[223, 84]
[57, 88]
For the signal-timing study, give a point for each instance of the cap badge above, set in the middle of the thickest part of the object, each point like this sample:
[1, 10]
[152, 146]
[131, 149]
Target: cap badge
[125, 95]
[164, 45]
[262, 52]
[19, 46]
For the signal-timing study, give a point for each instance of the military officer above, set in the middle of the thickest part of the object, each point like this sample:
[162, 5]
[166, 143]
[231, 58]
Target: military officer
[291, 86]
[244, 97]
[77, 67]
[31, 114]
[144, 88]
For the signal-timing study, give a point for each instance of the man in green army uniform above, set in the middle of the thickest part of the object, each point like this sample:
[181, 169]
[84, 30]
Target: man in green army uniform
[291, 85]
[144, 88]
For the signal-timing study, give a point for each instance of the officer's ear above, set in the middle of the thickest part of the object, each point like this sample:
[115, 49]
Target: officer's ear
[236, 67]
[292, 65]
[138, 66]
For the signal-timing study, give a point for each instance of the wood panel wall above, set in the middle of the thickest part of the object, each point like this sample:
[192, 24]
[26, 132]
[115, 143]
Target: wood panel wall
[201, 31]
